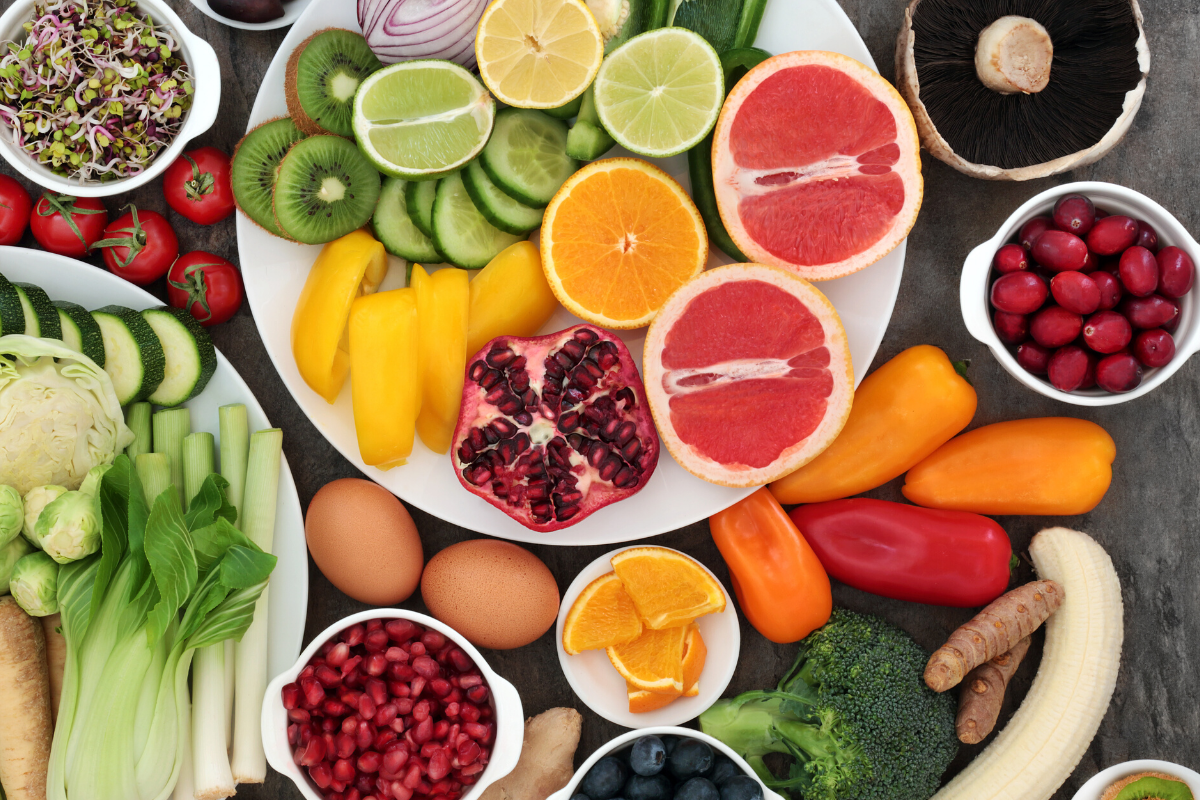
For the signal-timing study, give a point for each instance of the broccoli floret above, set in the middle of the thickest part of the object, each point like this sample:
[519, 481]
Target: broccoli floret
[853, 713]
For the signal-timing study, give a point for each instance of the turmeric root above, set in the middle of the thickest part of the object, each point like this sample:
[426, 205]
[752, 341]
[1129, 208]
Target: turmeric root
[547, 758]
[982, 694]
[995, 630]
[24, 704]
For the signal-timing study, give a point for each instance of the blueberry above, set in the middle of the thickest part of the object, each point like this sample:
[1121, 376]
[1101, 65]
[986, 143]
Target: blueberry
[741, 787]
[692, 757]
[648, 756]
[697, 789]
[670, 742]
[604, 780]
[723, 770]
[580, 796]
[654, 787]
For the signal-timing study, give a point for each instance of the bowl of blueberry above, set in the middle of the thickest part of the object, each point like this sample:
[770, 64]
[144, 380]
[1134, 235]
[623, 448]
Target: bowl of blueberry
[1085, 294]
[665, 764]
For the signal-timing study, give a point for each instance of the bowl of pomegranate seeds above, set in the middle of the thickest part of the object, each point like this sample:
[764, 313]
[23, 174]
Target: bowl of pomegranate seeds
[392, 705]
[1085, 294]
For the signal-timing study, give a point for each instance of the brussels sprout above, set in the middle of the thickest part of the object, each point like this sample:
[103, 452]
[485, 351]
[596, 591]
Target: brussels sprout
[34, 584]
[12, 514]
[10, 554]
[68, 529]
[36, 499]
[91, 481]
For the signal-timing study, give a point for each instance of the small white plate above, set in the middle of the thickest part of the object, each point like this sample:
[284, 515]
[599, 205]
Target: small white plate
[292, 9]
[1094, 788]
[598, 684]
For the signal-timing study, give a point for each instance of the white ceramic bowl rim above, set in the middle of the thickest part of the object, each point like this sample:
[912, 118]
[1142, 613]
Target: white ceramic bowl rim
[509, 714]
[973, 289]
[206, 78]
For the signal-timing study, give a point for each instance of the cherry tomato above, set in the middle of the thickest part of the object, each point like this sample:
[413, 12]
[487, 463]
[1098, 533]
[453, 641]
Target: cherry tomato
[139, 246]
[208, 286]
[15, 206]
[68, 225]
[197, 186]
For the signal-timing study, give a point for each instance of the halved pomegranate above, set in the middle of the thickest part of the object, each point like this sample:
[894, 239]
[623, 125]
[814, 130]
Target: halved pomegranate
[554, 427]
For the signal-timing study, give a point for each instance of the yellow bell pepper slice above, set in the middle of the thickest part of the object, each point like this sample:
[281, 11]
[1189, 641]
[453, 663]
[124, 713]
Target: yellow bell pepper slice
[346, 268]
[384, 382]
[442, 300]
[509, 297]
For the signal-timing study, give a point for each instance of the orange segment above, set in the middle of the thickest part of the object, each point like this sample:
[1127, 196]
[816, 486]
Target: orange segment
[619, 237]
[667, 588]
[641, 701]
[602, 616]
[653, 661]
[694, 653]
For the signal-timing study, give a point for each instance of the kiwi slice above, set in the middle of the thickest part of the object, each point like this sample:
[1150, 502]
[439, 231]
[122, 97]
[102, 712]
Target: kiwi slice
[322, 75]
[255, 167]
[326, 188]
[1147, 785]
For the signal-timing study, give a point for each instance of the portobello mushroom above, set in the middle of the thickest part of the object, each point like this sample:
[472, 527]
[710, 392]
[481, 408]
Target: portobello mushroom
[1022, 89]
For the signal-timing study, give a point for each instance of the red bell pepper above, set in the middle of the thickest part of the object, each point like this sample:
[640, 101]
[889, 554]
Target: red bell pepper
[922, 555]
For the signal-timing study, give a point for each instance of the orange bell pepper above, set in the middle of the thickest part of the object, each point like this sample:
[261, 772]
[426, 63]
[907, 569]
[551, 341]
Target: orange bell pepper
[384, 381]
[509, 297]
[1048, 465]
[902, 412]
[442, 300]
[779, 581]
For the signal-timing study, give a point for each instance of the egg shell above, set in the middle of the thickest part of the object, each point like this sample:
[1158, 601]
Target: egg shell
[364, 541]
[494, 593]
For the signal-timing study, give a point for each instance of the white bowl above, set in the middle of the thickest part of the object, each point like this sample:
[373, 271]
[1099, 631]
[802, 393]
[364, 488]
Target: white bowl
[602, 689]
[292, 9]
[506, 704]
[206, 77]
[1094, 788]
[628, 738]
[976, 282]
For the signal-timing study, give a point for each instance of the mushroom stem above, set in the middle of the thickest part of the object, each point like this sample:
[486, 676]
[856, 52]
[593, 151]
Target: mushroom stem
[1013, 55]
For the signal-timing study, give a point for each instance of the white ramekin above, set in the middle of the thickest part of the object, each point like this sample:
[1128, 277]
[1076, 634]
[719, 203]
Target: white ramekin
[206, 77]
[627, 739]
[506, 703]
[976, 283]
[1094, 788]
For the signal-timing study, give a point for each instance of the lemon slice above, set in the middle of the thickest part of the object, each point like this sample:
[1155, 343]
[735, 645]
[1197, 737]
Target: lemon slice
[538, 53]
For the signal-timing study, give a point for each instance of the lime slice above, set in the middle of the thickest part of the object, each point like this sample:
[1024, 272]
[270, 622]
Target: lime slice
[660, 93]
[421, 119]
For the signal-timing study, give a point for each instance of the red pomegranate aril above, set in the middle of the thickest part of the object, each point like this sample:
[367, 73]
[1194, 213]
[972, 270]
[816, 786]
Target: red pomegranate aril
[1107, 332]
[328, 726]
[365, 737]
[468, 751]
[1011, 258]
[1011, 328]
[1067, 368]
[412, 777]
[1032, 229]
[1075, 292]
[314, 752]
[1033, 358]
[477, 694]
[1060, 251]
[353, 635]
[366, 706]
[1019, 293]
[400, 671]
[421, 710]
[468, 712]
[396, 654]
[476, 731]
[1147, 237]
[400, 791]
[416, 686]
[344, 745]
[461, 660]
[1054, 326]
[313, 692]
[377, 689]
[291, 696]
[1154, 348]
[334, 708]
[1176, 272]
[1074, 213]
[439, 765]
[298, 715]
[320, 774]
[376, 641]
[1110, 289]
[1112, 235]
[440, 686]
[338, 654]
[1118, 373]
[416, 649]
[426, 667]
[307, 672]
[467, 681]
[1149, 312]
[369, 762]
[350, 666]
[350, 724]
[1138, 270]
[441, 729]
[433, 640]
[343, 770]
[402, 630]
[397, 725]
[375, 664]
[384, 716]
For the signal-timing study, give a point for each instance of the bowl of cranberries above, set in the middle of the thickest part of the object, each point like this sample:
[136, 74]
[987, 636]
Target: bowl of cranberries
[1085, 294]
[392, 705]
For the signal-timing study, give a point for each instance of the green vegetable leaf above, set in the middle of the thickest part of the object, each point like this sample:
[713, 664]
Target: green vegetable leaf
[230, 619]
[213, 541]
[172, 561]
[114, 531]
[77, 582]
[210, 503]
[244, 567]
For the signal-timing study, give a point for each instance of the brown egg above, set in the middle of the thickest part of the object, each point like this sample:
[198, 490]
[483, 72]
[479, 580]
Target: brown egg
[494, 593]
[364, 541]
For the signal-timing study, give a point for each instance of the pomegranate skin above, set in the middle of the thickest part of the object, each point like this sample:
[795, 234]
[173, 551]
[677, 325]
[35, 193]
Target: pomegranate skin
[1060, 251]
[1112, 235]
[1176, 272]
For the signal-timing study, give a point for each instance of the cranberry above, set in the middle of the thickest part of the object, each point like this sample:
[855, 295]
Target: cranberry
[1074, 213]
[1059, 251]
[1149, 312]
[1091, 263]
[1147, 237]
[1068, 368]
[1089, 377]
[1176, 272]
[1138, 270]
[1107, 332]
[1173, 325]
[1011, 258]
[1154, 348]
[1019, 293]
[1110, 289]
[1011, 328]
[1118, 373]
[1101, 214]
[1075, 292]
[1033, 358]
[1031, 230]
[1055, 326]
[1112, 235]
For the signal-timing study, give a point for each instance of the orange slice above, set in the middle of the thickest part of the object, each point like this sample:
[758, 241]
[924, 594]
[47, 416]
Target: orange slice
[618, 238]
[694, 653]
[653, 661]
[667, 588]
[601, 616]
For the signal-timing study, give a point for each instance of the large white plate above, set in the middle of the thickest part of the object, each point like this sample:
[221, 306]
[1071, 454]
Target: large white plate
[67, 279]
[274, 271]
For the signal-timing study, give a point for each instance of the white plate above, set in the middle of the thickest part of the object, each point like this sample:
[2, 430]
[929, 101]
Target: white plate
[1094, 788]
[601, 687]
[292, 9]
[67, 279]
[274, 272]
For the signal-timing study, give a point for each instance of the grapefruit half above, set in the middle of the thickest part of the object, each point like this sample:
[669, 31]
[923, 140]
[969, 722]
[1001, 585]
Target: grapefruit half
[816, 165]
[748, 374]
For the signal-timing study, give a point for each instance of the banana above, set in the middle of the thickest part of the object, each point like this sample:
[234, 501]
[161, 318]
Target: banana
[1054, 726]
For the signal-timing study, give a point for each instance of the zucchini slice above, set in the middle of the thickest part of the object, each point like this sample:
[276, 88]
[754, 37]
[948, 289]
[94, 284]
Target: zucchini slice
[418, 199]
[498, 208]
[12, 315]
[45, 315]
[80, 331]
[133, 355]
[191, 358]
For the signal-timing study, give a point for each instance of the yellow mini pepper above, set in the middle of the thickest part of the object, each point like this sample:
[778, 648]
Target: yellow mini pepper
[509, 297]
[384, 379]
[442, 300]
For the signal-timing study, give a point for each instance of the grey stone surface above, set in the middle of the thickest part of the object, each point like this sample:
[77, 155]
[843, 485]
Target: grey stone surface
[1148, 520]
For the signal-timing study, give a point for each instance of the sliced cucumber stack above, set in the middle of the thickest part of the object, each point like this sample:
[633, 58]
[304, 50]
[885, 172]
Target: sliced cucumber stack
[418, 199]
[460, 232]
[397, 230]
[133, 354]
[527, 156]
[190, 358]
[80, 332]
[41, 317]
[498, 208]
[12, 314]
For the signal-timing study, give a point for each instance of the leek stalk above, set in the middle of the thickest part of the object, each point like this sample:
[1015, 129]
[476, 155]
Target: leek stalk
[137, 417]
[154, 471]
[197, 462]
[171, 425]
[235, 449]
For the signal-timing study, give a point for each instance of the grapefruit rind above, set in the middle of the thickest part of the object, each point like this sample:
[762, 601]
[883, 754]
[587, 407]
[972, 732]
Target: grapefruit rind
[908, 166]
[840, 367]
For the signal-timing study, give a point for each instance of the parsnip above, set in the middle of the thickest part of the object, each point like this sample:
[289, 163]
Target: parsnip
[25, 727]
[56, 658]
[547, 758]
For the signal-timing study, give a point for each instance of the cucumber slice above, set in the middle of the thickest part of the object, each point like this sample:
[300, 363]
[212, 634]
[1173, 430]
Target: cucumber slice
[45, 315]
[565, 111]
[418, 199]
[80, 331]
[133, 355]
[395, 228]
[12, 315]
[498, 208]
[527, 156]
[191, 358]
[460, 232]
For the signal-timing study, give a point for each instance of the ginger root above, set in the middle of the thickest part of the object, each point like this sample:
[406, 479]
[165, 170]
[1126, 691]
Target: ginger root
[547, 758]
[995, 630]
[982, 694]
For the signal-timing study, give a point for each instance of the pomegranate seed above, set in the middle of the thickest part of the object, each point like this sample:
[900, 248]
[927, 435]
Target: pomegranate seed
[397, 689]
[306, 733]
[470, 770]
[1011, 328]
[334, 708]
[440, 687]
[441, 729]
[439, 765]
[375, 664]
[412, 777]
[293, 734]
[350, 725]
[429, 748]
[385, 714]
[350, 666]
[1110, 289]
[353, 635]
[1074, 213]
[1032, 229]
[1154, 348]
[376, 641]
[400, 791]
[1054, 326]
[394, 760]
[291, 696]
[314, 753]
[313, 693]
[1176, 272]
[424, 731]
[467, 752]
[421, 710]
[475, 731]
[402, 630]
[1147, 237]
[329, 725]
[404, 705]
[451, 710]
[1060, 251]
[426, 667]
[328, 677]
[416, 687]
[344, 745]
[370, 761]
[385, 737]
[1019, 293]
[307, 672]
[396, 654]
[298, 715]
[366, 706]
[343, 770]
[1149, 312]
[1138, 270]
[365, 736]
[478, 694]
[1112, 235]
[1107, 332]
[320, 775]
[377, 689]
[469, 713]
[1075, 292]
[455, 696]
[433, 640]
[374, 625]
[417, 649]
[400, 671]
[467, 681]
[352, 794]
[460, 660]
[1118, 373]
